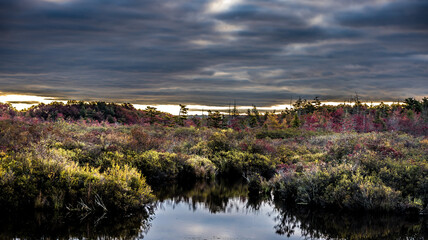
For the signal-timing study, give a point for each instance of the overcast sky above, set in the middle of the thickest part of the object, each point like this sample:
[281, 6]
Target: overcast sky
[213, 52]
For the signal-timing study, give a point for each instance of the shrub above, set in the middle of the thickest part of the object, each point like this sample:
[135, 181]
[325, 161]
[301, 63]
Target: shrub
[280, 133]
[52, 181]
[236, 163]
[218, 142]
[387, 171]
[159, 166]
[185, 132]
[142, 141]
[106, 160]
[201, 149]
[340, 186]
[124, 188]
[202, 167]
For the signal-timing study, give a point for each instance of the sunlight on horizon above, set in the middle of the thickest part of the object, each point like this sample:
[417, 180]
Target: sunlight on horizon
[21, 102]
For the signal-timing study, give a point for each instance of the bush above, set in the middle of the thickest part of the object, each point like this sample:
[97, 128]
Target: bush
[201, 149]
[202, 167]
[340, 187]
[185, 132]
[159, 166]
[280, 133]
[52, 181]
[123, 188]
[218, 142]
[143, 141]
[236, 163]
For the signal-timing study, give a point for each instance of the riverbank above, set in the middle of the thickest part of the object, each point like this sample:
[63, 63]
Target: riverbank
[208, 209]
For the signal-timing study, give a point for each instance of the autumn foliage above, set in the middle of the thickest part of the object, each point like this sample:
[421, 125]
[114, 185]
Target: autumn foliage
[104, 157]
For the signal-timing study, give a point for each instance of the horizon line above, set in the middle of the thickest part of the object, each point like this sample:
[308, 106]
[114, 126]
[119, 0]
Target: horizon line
[22, 102]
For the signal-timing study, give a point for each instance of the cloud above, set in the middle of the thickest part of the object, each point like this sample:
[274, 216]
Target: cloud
[421, 57]
[409, 14]
[212, 52]
[217, 6]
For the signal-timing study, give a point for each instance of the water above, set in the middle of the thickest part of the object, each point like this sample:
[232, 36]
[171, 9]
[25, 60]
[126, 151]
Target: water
[212, 211]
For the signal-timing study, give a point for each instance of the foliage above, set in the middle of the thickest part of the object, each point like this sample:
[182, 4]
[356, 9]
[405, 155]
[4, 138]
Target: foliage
[203, 167]
[158, 166]
[235, 164]
[283, 133]
[94, 155]
[372, 171]
[51, 180]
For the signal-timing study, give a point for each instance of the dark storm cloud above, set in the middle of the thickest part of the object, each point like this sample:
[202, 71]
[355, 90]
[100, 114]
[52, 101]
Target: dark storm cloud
[255, 13]
[411, 14]
[213, 51]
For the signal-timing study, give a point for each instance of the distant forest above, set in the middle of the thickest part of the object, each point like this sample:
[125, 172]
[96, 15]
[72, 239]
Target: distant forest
[410, 116]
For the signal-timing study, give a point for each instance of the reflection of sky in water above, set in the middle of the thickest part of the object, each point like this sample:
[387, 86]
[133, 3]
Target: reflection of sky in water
[180, 221]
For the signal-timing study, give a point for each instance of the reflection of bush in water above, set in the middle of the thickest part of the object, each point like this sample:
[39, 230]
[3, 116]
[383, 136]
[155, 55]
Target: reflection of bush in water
[219, 197]
[42, 225]
[334, 225]
[214, 195]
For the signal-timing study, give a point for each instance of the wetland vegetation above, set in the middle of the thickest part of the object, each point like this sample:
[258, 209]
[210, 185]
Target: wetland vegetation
[99, 158]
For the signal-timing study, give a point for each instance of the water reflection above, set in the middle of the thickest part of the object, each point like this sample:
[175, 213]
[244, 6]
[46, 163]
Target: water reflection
[321, 224]
[214, 196]
[215, 210]
[278, 221]
[48, 225]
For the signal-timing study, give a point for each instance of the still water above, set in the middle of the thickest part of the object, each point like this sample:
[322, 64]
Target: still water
[217, 210]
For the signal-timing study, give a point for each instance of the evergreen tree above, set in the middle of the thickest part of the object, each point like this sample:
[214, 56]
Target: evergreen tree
[296, 121]
[214, 119]
[234, 110]
[182, 113]
[413, 104]
[152, 112]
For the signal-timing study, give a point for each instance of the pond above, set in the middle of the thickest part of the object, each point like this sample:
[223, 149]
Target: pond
[216, 210]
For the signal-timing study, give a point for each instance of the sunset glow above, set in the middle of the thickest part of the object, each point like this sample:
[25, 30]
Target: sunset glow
[21, 102]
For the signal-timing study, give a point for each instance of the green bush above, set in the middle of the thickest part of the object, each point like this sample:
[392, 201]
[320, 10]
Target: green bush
[106, 160]
[123, 187]
[236, 163]
[185, 132]
[159, 166]
[202, 167]
[219, 142]
[340, 186]
[52, 181]
[201, 149]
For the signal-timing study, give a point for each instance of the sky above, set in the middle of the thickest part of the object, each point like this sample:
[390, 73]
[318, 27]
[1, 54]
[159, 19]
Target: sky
[214, 52]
